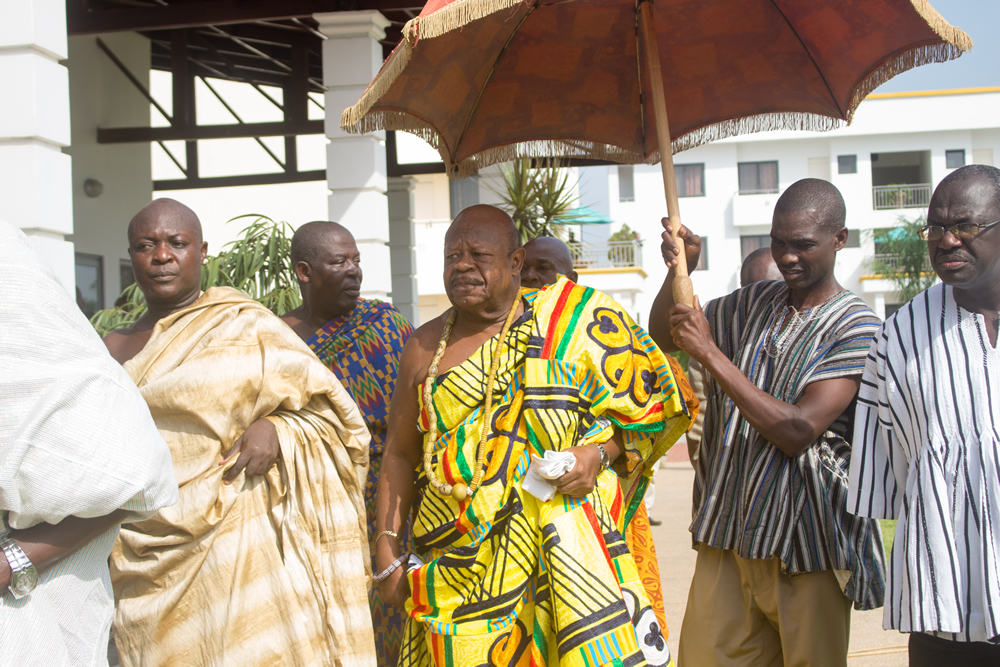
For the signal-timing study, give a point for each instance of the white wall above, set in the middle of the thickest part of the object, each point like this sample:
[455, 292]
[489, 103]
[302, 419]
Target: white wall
[103, 97]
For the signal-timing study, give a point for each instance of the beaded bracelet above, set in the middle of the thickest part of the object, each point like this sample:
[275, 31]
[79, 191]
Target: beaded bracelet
[389, 570]
[385, 532]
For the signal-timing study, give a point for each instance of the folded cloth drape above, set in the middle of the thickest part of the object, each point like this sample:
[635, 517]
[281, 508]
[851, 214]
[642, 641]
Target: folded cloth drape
[270, 570]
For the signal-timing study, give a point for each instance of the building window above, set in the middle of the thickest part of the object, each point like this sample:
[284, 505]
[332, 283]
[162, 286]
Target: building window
[690, 180]
[626, 183]
[89, 283]
[748, 244]
[758, 178]
[125, 274]
[703, 258]
[847, 164]
[954, 159]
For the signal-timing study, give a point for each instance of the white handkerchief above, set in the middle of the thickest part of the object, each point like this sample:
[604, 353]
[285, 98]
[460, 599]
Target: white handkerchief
[543, 468]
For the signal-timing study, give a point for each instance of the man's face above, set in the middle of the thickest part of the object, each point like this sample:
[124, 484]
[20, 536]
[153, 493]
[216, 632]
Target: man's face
[167, 253]
[803, 250]
[542, 265]
[334, 280]
[965, 263]
[478, 271]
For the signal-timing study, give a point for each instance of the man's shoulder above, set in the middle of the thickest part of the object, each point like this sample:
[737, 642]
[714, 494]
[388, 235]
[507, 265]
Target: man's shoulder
[755, 295]
[427, 335]
[388, 314]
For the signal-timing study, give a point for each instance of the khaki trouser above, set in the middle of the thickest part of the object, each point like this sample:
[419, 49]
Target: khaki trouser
[746, 612]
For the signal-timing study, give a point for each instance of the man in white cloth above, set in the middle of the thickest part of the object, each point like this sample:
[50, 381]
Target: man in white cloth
[79, 454]
[926, 443]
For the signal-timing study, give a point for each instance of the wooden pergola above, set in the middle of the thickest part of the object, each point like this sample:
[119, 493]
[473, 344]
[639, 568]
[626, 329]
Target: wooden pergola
[255, 42]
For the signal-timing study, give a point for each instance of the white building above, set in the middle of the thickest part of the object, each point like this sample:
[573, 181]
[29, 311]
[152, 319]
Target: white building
[886, 164]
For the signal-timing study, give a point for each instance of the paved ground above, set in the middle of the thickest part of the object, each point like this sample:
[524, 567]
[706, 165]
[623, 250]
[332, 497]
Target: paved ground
[871, 646]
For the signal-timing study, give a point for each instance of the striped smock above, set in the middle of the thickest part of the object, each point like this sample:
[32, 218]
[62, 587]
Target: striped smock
[751, 497]
[929, 456]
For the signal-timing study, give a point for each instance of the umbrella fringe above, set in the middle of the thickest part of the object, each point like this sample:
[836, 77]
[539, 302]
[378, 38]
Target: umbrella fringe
[956, 42]
[452, 17]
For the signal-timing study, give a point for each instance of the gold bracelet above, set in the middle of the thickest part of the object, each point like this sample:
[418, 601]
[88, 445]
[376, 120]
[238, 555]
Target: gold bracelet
[385, 532]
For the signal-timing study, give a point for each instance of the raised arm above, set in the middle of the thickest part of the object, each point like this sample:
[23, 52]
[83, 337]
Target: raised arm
[659, 316]
[403, 453]
[791, 427]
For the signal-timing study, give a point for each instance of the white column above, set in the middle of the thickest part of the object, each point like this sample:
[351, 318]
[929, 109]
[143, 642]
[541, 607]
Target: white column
[402, 248]
[880, 305]
[355, 165]
[35, 183]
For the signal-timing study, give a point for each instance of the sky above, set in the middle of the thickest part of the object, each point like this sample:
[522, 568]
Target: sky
[978, 68]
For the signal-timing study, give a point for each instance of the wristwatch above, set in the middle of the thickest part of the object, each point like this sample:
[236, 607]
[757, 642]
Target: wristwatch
[23, 575]
[605, 460]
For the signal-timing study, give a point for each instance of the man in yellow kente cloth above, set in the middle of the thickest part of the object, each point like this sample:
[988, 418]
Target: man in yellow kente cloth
[546, 259]
[507, 377]
[264, 558]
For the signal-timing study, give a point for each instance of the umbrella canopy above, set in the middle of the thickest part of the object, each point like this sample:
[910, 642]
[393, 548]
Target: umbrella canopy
[486, 81]
[583, 216]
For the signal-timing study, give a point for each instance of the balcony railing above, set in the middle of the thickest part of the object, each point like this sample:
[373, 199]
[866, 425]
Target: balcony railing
[612, 254]
[917, 195]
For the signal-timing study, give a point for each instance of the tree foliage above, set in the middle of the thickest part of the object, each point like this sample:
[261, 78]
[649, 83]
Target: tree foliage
[901, 257]
[258, 263]
[538, 199]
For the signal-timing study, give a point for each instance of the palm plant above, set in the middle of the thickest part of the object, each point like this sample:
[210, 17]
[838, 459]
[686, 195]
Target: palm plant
[901, 257]
[538, 199]
[258, 264]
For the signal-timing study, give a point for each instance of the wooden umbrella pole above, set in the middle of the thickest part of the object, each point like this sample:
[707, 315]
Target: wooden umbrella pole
[682, 287]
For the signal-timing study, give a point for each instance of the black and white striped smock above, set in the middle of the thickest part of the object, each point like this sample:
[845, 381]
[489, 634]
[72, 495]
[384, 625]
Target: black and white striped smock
[751, 497]
[927, 452]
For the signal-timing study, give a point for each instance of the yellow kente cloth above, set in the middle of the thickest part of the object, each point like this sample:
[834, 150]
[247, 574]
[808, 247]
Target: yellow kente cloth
[509, 579]
[270, 570]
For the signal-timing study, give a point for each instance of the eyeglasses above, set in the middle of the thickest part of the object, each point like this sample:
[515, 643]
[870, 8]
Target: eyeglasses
[963, 230]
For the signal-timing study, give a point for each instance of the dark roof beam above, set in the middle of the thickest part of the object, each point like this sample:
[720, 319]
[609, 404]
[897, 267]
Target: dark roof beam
[191, 133]
[188, 15]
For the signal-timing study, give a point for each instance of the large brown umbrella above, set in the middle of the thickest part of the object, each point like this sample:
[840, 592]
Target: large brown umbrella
[486, 81]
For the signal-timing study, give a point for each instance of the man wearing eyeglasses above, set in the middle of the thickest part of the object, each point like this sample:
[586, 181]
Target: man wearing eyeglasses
[926, 443]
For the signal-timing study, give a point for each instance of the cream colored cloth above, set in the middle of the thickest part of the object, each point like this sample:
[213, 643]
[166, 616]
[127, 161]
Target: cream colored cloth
[76, 440]
[271, 570]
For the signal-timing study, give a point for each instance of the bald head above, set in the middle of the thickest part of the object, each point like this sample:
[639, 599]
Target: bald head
[989, 173]
[814, 195]
[759, 265]
[500, 226]
[165, 211]
[167, 250]
[545, 258]
[312, 236]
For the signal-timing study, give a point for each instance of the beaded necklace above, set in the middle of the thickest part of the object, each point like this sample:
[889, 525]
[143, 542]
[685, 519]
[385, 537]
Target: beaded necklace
[459, 491]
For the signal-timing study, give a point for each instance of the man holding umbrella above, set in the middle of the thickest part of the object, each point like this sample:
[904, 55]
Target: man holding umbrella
[780, 560]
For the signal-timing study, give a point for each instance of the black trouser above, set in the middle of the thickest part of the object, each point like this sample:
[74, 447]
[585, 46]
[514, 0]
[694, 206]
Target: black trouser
[930, 651]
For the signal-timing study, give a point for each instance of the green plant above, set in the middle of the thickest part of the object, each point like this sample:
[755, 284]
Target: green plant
[901, 257]
[538, 199]
[258, 264]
